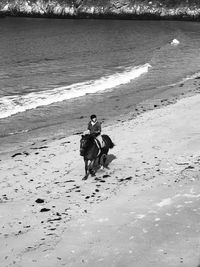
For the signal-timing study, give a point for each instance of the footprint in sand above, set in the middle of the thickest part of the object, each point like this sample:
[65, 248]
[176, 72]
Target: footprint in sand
[106, 175]
[44, 210]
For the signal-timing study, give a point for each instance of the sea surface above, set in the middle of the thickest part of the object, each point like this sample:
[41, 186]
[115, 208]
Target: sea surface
[55, 72]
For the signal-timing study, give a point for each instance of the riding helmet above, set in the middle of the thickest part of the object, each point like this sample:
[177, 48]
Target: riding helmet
[93, 116]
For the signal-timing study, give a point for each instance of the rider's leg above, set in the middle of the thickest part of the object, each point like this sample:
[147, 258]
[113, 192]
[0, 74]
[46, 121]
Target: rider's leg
[100, 139]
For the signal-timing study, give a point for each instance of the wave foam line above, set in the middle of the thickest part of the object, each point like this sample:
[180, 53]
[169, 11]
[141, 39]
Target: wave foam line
[10, 105]
[191, 77]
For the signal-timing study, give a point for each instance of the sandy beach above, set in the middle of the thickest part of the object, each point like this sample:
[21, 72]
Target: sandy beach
[141, 211]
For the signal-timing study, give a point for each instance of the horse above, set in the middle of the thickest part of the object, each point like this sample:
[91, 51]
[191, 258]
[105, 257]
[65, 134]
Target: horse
[90, 151]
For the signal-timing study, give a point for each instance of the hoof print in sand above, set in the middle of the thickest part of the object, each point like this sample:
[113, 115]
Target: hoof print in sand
[44, 210]
[39, 200]
[69, 181]
[15, 155]
[125, 179]
[55, 219]
[106, 176]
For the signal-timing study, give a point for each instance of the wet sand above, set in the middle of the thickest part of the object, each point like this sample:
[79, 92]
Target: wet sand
[141, 211]
[72, 116]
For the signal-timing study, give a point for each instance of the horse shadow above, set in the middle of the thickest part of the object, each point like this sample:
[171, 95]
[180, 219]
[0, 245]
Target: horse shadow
[109, 159]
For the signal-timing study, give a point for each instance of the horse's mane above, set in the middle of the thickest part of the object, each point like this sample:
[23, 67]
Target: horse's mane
[89, 138]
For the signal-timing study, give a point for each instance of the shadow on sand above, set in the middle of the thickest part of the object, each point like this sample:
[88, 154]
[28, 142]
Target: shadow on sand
[109, 159]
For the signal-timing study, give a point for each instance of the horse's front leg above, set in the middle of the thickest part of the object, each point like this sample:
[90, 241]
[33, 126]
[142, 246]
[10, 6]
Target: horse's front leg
[91, 168]
[86, 170]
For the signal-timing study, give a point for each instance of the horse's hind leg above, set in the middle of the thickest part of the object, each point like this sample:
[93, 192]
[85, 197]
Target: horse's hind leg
[104, 159]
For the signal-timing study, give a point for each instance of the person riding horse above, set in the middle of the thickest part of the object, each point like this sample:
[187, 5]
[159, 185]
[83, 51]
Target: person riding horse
[94, 147]
[94, 129]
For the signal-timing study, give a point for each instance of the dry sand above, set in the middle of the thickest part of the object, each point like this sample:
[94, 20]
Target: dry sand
[142, 211]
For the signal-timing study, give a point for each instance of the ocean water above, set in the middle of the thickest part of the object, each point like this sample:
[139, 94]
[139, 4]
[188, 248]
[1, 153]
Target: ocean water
[54, 72]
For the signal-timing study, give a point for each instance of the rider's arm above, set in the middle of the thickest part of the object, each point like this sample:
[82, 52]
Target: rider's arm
[89, 126]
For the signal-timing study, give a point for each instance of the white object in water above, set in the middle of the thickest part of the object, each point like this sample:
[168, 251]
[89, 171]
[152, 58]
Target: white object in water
[175, 42]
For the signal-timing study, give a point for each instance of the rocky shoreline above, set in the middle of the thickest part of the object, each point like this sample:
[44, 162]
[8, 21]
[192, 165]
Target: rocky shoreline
[107, 9]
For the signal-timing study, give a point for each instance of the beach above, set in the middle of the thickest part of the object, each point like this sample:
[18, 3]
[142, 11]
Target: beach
[141, 211]
[56, 73]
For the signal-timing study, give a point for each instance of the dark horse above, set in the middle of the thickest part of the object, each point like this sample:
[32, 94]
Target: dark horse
[90, 151]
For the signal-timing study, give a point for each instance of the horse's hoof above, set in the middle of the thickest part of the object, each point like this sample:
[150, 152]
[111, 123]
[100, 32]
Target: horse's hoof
[106, 167]
[92, 173]
[84, 178]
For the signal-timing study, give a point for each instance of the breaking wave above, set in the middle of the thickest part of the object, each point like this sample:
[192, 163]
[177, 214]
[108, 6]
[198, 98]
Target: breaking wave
[10, 105]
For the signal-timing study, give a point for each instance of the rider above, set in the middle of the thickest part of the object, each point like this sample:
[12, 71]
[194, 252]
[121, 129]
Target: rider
[94, 128]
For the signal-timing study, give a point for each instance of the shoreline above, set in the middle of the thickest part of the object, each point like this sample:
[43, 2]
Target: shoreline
[48, 134]
[50, 217]
[145, 17]
[67, 117]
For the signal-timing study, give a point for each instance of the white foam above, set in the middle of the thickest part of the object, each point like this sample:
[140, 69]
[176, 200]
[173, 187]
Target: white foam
[165, 202]
[140, 216]
[175, 42]
[10, 105]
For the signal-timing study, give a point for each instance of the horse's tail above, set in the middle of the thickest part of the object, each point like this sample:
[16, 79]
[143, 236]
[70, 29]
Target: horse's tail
[108, 141]
[111, 144]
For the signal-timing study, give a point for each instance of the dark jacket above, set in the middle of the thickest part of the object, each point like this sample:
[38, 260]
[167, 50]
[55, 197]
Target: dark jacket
[94, 129]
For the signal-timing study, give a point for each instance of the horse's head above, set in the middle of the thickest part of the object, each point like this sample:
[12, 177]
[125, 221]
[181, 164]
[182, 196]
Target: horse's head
[85, 144]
